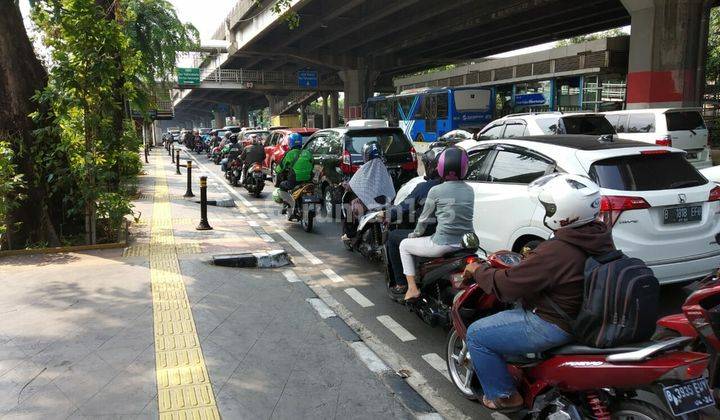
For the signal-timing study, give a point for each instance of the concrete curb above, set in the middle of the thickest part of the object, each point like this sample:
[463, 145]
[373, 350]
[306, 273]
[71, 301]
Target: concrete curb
[62, 249]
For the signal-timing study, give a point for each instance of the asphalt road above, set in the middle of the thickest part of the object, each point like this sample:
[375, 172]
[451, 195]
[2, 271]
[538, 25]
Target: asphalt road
[419, 344]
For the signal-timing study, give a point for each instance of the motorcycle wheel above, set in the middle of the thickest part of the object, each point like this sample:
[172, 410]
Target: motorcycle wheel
[258, 190]
[460, 367]
[306, 221]
[273, 175]
[233, 179]
[637, 410]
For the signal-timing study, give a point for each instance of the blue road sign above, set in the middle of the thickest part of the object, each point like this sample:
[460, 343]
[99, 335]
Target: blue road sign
[308, 78]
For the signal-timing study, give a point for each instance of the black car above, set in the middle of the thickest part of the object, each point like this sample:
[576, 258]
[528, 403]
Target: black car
[337, 155]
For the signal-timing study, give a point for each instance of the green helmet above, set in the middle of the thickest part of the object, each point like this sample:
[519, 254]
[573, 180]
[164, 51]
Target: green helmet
[276, 196]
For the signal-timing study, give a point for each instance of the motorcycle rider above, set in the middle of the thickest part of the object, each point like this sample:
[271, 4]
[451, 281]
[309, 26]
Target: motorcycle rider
[232, 145]
[552, 273]
[252, 153]
[451, 204]
[296, 166]
[404, 212]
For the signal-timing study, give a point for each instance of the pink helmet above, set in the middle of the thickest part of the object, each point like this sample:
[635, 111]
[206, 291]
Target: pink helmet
[453, 164]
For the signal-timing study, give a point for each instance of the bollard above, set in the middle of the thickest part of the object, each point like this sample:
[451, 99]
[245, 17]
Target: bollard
[172, 152]
[188, 192]
[204, 225]
[177, 162]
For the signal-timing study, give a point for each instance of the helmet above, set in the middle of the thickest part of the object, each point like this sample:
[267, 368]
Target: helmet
[227, 134]
[569, 200]
[254, 138]
[276, 196]
[429, 160]
[295, 140]
[452, 164]
[371, 150]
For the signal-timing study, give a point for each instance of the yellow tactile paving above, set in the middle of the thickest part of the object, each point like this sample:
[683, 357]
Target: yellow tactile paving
[184, 388]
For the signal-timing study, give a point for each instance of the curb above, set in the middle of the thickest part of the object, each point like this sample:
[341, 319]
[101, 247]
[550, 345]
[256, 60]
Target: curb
[62, 249]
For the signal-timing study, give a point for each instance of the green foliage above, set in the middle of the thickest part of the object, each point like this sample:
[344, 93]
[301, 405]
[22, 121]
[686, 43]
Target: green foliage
[10, 183]
[112, 209]
[712, 63]
[590, 37]
[282, 8]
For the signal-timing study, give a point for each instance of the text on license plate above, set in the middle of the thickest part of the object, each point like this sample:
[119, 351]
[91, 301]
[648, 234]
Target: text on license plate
[682, 214]
[688, 396]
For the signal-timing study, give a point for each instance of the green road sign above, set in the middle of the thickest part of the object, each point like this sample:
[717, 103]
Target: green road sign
[188, 76]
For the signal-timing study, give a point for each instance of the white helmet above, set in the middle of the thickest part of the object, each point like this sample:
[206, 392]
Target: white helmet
[569, 200]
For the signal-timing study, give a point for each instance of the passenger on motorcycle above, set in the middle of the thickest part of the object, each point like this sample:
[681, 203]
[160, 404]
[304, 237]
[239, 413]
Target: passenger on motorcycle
[252, 153]
[406, 212]
[451, 205]
[371, 184]
[551, 273]
[296, 167]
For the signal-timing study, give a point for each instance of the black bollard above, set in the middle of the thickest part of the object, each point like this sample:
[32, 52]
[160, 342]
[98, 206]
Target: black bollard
[172, 152]
[188, 192]
[177, 162]
[204, 225]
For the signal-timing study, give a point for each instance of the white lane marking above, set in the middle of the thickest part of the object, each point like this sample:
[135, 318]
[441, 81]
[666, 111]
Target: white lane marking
[333, 276]
[301, 249]
[253, 223]
[321, 308]
[266, 238]
[371, 360]
[395, 328]
[432, 416]
[291, 276]
[262, 215]
[240, 217]
[359, 298]
[438, 363]
[270, 223]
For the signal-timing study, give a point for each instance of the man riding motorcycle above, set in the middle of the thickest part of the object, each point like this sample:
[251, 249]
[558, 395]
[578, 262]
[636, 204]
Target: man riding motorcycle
[296, 166]
[553, 273]
[232, 144]
[252, 153]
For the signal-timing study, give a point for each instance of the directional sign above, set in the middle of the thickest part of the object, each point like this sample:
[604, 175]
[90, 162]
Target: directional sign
[188, 76]
[308, 78]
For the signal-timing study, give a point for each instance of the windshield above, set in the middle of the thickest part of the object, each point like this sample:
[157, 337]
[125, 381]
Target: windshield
[646, 172]
[684, 120]
[262, 134]
[391, 142]
[581, 124]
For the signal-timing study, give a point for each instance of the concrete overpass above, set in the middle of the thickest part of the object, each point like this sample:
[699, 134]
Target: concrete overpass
[363, 44]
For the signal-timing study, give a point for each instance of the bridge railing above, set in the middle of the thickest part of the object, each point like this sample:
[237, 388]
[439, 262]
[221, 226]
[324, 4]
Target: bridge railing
[260, 77]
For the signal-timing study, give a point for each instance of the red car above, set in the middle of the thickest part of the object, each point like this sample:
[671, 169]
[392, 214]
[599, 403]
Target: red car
[277, 144]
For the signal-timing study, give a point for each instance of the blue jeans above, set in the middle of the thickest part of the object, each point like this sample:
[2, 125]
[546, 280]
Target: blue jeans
[223, 164]
[513, 332]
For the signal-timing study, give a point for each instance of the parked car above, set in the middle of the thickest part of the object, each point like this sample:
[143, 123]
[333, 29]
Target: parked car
[661, 209]
[232, 128]
[682, 128]
[546, 123]
[277, 144]
[337, 154]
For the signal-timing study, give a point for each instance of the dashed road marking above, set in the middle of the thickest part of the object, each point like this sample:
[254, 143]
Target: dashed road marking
[291, 276]
[299, 248]
[333, 275]
[395, 328]
[253, 223]
[359, 298]
[321, 308]
[267, 238]
[253, 209]
[437, 363]
[262, 215]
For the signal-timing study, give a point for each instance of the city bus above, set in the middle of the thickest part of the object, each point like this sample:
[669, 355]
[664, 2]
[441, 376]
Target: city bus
[425, 114]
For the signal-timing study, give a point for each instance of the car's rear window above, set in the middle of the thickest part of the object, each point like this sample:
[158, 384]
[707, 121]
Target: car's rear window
[684, 120]
[391, 142]
[582, 124]
[646, 172]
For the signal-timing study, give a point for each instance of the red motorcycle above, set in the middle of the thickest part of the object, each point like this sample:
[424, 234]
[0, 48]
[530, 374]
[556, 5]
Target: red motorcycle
[576, 382]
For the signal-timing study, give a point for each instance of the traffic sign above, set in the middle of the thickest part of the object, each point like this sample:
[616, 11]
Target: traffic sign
[308, 78]
[188, 76]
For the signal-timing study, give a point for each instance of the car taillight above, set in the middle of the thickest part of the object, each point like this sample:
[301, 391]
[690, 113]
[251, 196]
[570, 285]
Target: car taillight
[409, 166]
[413, 154]
[346, 165]
[611, 206]
[664, 141]
[285, 147]
[714, 194]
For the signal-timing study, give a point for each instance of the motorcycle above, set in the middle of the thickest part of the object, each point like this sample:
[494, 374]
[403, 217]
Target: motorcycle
[304, 206]
[574, 382]
[254, 180]
[700, 321]
[439, 280]
[370, 233]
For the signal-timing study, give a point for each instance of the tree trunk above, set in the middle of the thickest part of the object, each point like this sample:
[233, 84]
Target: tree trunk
[21, 75]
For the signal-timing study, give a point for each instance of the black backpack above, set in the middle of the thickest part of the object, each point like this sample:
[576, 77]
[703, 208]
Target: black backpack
[620, 302]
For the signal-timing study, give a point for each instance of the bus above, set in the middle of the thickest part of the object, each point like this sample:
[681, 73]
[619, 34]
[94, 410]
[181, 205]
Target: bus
[425, 114]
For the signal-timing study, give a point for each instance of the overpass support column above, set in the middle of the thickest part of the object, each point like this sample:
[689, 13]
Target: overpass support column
[219, 118]
[668, 41]
[334, 109]
[325, 98]
[358, 87]
[276, 103]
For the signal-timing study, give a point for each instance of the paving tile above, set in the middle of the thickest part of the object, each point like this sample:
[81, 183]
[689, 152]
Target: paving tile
[84, 379]
[47, 403]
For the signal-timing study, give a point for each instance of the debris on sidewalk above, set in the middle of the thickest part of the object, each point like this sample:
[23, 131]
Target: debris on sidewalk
[268, 259]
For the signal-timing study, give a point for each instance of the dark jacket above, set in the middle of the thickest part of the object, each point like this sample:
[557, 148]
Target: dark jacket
[254, 153]
[554, 269]
[410, 208]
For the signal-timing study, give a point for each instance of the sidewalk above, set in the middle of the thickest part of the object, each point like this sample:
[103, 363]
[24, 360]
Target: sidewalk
[155, 331]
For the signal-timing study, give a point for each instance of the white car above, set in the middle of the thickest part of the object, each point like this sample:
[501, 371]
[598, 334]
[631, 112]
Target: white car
[661, 209]
[682, 128]
[712, 173]
[546, 123]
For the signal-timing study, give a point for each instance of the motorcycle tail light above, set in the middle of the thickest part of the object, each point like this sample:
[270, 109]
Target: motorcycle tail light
[686, 372]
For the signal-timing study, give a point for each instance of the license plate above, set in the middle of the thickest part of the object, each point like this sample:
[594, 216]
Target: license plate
[682, 214]
[688, 396]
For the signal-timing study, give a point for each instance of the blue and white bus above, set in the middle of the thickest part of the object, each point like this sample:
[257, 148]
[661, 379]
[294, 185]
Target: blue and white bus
[427, 113]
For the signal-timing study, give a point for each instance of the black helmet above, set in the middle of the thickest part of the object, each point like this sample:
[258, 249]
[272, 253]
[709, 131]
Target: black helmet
[371, 151]
[429, 160]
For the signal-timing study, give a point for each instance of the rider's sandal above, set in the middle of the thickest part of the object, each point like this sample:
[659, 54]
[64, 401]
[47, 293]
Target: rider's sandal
[398, 290]
[498, 406]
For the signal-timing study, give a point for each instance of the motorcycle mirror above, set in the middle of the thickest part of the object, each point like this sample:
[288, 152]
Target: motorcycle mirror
[470, 241]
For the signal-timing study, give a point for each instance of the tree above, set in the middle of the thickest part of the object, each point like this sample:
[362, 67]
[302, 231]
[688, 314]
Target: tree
[590, 37]
[712, 63]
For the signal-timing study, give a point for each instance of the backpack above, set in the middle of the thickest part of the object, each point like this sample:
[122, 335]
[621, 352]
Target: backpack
[620, 302]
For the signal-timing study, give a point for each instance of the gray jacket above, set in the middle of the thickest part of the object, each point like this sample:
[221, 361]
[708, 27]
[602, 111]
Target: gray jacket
[451, 203]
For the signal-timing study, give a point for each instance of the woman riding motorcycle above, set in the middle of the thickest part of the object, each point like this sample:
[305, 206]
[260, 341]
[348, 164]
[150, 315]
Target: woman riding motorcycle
[451, 205]
[553, 273]
[296, 167]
